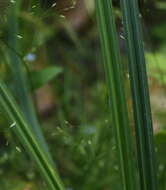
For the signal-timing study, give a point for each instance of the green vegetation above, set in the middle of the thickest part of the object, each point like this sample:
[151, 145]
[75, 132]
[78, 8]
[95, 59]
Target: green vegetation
[140, 94]
[77, 97]
[118, 107]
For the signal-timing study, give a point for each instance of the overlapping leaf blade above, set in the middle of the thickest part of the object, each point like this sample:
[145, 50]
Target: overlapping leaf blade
[140, 94]
[27, 138]
[118, 107]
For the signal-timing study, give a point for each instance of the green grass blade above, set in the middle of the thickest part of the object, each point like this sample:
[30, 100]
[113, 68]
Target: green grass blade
[118, 107]
[19, 74]
[140, 93]
[29, 140]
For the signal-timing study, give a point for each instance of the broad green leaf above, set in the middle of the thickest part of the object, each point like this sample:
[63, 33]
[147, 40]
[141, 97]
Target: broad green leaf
[40, 78]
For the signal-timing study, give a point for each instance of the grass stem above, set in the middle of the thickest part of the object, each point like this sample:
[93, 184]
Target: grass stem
[140, 94]
[114, 76]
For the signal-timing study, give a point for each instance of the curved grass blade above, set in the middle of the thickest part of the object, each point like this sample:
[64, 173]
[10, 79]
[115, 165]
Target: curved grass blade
[20, 78]
[29, 140]
[140, 93]
[118, 107]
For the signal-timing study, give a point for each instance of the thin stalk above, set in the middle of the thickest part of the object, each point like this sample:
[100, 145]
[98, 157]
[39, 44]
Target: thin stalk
[140, 94]
[113, 69]
[29, 140]
[20, 80]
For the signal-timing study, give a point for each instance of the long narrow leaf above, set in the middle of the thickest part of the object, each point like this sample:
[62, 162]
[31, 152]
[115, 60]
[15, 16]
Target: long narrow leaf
[29, 140]
[19, 74]
[140, 93]
[118, 107]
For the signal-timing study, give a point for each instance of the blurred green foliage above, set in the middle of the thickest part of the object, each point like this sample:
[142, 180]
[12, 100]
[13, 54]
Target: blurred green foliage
[75, 119]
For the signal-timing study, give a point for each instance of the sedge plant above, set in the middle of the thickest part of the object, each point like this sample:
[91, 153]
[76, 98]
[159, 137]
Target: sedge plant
[29, 140]
[138, 80]
[23, 116]
[25, 124]
[140, 94]
[19, 72]
[114, 76]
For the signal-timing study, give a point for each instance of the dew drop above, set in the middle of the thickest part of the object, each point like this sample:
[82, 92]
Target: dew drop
[18, 149]
[140, 16]
[106, 121]
[116, 167]
[7, 143]
[62, 16]
[122, 37]
[13, 125]
[161, 167]
[19, 36]
[34, 6]
[12, 1]
[66, 122]
[89, 142]
[54, 4]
